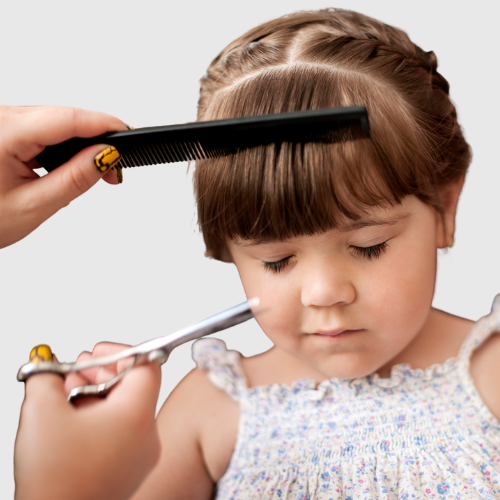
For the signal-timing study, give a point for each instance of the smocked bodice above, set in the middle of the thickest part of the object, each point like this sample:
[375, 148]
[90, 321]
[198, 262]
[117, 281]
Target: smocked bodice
[418, 434]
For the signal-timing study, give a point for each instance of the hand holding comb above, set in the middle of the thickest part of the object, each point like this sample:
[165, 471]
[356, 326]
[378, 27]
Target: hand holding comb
[198, 140]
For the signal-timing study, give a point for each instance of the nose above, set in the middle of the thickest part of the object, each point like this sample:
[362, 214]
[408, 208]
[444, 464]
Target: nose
[324, 285]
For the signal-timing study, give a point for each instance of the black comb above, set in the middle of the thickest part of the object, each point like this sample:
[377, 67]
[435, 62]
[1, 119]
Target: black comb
[198, 140]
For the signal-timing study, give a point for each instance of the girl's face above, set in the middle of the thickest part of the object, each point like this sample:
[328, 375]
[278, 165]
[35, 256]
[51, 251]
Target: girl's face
[349, 300]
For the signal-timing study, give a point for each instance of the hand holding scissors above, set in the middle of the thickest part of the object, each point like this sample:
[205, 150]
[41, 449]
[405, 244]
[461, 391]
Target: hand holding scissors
[156, 350]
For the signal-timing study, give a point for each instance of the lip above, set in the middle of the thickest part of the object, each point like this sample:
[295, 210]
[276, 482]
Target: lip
[339, 332]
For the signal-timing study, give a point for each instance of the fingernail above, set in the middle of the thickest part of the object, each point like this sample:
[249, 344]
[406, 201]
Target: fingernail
[129, 127]
[41, 353]
[109, 158]
[119, 174]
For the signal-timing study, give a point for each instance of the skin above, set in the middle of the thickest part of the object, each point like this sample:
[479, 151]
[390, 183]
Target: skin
[26, 199]
[326, 285]
[116, 439]
[99, 449]
[102, 449]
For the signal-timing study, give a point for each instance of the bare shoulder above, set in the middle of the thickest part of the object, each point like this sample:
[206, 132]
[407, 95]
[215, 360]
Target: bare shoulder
[457, 326]
[213, 417]
[194, 390]
[446, 334]
[197, 425]
[485, 371]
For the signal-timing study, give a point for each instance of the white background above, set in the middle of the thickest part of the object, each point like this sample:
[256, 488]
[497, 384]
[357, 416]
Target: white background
[125, 263]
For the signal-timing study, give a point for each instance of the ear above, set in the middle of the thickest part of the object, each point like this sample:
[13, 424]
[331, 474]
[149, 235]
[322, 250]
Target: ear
[449, 195]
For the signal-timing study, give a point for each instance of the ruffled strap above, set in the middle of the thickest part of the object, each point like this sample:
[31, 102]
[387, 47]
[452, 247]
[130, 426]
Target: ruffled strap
[481, 331]
[223, 366]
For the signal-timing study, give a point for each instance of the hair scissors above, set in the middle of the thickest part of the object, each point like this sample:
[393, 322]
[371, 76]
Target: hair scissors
[156, 350]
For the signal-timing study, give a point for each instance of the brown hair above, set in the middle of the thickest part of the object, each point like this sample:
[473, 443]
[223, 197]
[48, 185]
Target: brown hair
[311, 60]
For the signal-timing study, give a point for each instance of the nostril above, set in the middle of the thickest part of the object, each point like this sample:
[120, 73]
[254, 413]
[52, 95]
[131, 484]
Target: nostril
[322, 293]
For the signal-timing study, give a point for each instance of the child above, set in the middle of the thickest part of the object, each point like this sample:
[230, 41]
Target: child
[368, 392]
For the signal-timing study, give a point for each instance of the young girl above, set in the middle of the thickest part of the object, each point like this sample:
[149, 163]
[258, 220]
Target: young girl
[368, 392]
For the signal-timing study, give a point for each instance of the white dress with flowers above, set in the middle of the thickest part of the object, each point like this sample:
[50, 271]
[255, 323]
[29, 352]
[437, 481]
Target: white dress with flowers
[419, 434]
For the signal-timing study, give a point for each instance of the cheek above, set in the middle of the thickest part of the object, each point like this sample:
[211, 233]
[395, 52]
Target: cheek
[401, 295]
[279, 299]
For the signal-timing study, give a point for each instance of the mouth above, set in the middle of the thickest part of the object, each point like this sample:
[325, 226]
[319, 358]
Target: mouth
[341, 332]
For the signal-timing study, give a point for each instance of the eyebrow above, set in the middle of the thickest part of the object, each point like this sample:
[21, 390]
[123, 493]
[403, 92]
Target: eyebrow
[343, 228]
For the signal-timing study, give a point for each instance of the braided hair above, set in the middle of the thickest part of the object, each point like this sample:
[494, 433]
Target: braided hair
[325, 58]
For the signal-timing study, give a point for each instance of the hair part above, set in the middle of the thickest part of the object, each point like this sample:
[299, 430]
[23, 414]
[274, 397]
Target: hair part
[313, 60]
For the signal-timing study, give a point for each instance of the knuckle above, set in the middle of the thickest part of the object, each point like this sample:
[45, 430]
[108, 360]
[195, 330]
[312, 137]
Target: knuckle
[82, 356]
[104, 348]
[99, 346]
[70, 116]
[76, 180]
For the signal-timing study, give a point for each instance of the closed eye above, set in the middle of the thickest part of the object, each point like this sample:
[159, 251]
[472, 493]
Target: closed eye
[278, 266]
[373, 252]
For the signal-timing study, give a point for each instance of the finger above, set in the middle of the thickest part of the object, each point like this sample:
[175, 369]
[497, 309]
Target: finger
[33, 164]
[74, 380]
[138, 391]
[92, 375]
[47, 387]
[135, 397]
[77, 379]
[100, 374]
[108, 372]
[48, 125]
[111, 177]
[50, 193]
[82, 378]
[108, 348]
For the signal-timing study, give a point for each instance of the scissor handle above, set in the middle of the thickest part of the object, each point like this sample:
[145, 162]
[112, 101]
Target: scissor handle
[42, 355]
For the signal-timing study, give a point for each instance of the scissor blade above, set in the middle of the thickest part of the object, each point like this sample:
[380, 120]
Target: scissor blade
[216, 323]
[221, 321]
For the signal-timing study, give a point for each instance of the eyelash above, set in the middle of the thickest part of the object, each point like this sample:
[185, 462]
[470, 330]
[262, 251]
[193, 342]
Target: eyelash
[278, 266]
[373, 252]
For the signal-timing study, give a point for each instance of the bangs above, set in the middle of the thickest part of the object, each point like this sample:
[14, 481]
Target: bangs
[279, 191]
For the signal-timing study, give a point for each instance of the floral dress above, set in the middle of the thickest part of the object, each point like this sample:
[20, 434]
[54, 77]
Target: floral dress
[418, 434]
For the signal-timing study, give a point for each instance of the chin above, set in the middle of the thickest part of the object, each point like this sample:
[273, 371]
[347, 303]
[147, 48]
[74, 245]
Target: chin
[350, 368]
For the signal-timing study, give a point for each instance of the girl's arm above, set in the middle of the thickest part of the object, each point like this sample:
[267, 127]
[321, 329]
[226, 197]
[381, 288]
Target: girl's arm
[192, 409]
[198, 425]
[485, 371]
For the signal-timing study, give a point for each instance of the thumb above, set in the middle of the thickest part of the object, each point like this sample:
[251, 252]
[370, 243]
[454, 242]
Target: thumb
[46, 387]
[66, 183]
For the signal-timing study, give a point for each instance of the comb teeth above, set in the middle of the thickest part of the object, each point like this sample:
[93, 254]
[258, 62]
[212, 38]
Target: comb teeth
[152, 153]
[158, 153]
